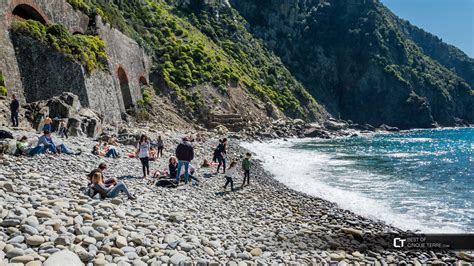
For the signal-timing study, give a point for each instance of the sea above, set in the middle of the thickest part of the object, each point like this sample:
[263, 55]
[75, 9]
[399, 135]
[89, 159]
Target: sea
[418, 180]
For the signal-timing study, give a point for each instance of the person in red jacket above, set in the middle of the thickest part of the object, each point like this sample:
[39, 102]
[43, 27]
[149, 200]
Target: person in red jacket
[185, 154]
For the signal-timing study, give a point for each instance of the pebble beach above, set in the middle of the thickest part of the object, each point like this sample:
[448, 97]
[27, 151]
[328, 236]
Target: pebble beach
[46, 219]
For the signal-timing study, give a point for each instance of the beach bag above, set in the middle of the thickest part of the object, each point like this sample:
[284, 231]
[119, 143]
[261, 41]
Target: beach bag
[88, 191]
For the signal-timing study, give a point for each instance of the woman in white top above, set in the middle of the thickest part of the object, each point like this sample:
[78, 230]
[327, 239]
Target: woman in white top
[143, 150]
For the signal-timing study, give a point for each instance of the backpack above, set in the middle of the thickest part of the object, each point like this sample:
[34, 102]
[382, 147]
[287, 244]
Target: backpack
[5, 134]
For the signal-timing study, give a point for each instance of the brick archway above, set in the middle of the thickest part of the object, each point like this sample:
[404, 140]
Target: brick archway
[27, 9]
[124, 87]
[142, 81]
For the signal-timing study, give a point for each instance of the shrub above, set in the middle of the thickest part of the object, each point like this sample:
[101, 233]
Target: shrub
[88, 50]
[147, 97]
[2, 79]
[3, 91]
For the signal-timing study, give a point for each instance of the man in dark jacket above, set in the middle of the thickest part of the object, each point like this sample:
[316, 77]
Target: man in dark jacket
[14, 109]
[185, 154]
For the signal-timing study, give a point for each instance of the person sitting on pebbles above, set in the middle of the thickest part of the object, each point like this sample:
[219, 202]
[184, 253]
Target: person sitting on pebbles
[47, 144]
[102, 167]
[22, 146]
[110, 151]
[109, 192]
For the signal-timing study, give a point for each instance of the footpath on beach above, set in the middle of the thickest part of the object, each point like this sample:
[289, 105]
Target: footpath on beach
[43, 212]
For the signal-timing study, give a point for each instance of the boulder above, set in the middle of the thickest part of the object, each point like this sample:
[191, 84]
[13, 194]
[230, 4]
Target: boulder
[63, 257]
[80, 121]
[317, 133]
[389, 128]
[65, 105]
[334, 125]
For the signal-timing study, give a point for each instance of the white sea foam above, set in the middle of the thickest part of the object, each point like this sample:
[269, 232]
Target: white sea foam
[309, 172]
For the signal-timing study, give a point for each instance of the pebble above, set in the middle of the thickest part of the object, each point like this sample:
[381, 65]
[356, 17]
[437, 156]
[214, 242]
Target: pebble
[35, 240]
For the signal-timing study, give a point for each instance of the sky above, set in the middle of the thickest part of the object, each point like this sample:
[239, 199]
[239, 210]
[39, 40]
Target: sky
[451, 20]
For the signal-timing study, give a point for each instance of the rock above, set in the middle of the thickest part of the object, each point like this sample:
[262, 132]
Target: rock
[100, 223]
[34, 263]
[89, 241]
[336, 257]
[389, 128]
[62, 240]
[117, 251]
[14, 252]
[256, 252]
[43, 214]
[8, 187]
[83, 210]
[353, 231]
[16, 239]
[100, 262]
[63, 257]
[244, 256]
[116, 201]
[22, 259]
[121, 242]
[333, 125]
[178, 258]
[186, 246]
[35, 240]
[176, 217]
[316, 133]
[209, 251]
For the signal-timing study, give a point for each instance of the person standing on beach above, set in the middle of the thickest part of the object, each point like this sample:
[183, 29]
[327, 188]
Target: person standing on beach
[143, 153]
[221, 154]
[229, 176]
[160, 146]
[62, 129]
[185, 154]
[246, 164]
[15, 110]
[47, 124]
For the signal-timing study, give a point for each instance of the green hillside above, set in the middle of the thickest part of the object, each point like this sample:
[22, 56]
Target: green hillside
[184, 56]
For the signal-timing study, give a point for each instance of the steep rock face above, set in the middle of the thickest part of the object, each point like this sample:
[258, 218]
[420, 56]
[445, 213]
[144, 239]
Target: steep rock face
[447, 55]
[355, 59]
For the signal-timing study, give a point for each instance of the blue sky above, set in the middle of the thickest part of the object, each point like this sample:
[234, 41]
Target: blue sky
[451, 20]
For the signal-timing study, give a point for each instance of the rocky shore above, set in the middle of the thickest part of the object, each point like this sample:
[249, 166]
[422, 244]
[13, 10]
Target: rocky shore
[43, 213]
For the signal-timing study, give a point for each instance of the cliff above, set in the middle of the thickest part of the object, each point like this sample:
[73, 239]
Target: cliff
[365, 64]
[252, 61]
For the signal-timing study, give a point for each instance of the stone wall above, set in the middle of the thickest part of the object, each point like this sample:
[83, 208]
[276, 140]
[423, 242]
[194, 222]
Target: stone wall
[124, 53]
[56, 11]
[46, 73]
[35, 72]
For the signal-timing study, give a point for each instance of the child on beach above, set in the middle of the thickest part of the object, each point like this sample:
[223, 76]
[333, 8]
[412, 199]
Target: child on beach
[62, 129]
[246, 164]
[229, 175]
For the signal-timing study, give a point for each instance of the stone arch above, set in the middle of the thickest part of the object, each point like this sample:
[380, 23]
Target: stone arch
[25, 11]
[142, 81]
[76, 30]
[124, 87]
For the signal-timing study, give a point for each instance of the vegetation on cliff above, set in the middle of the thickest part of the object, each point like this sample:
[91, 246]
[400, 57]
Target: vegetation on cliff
[361, 64]
[3, 89]
[355, 57]
[88, 50]
[186, 55]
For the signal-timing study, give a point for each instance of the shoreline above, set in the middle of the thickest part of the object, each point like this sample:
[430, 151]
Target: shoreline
[266, 222]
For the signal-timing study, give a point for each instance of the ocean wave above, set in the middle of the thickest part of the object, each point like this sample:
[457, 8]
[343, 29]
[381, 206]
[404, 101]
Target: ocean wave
[311, 172]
